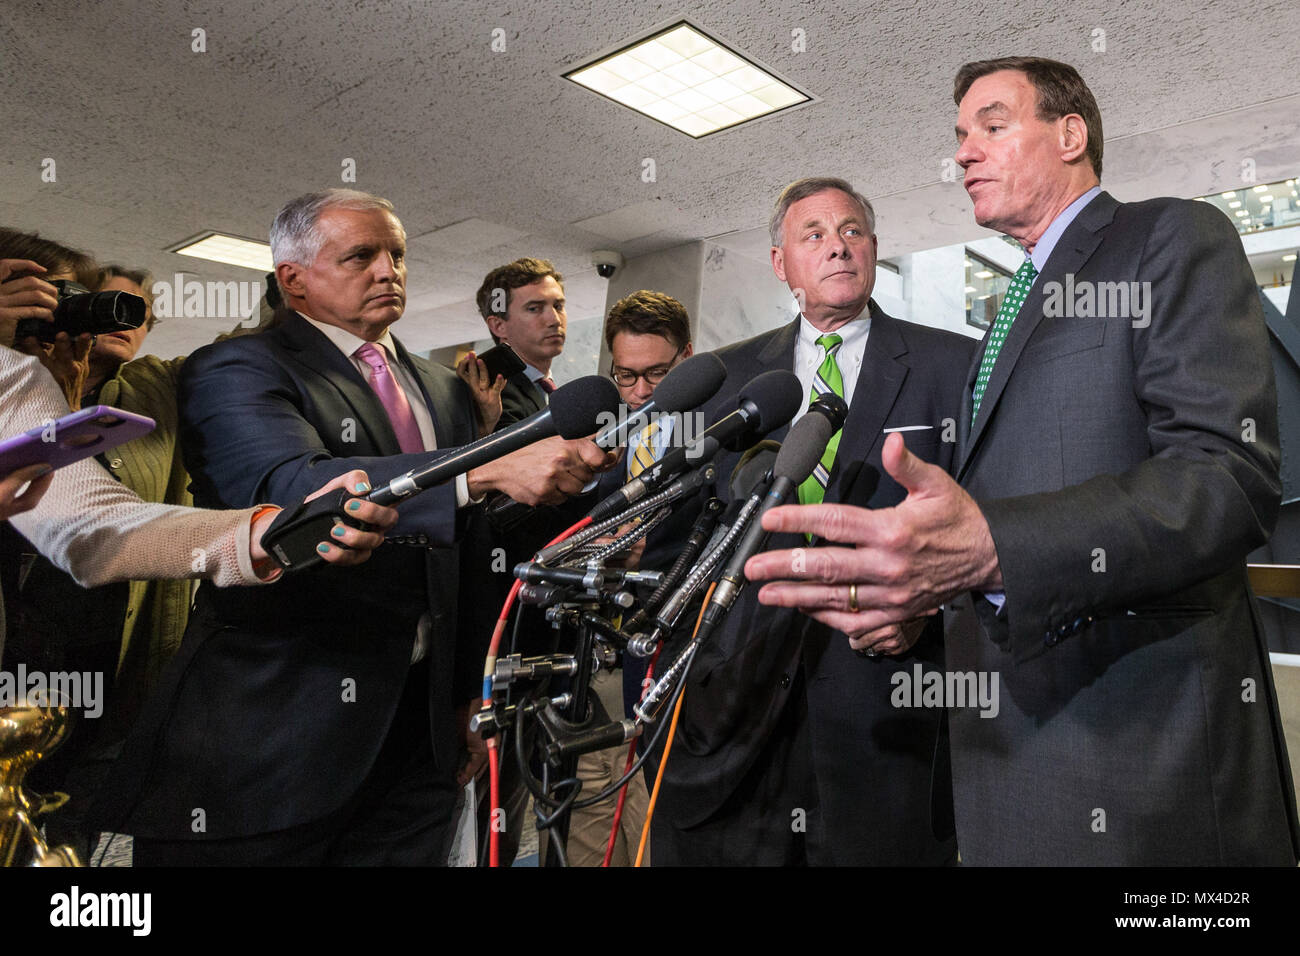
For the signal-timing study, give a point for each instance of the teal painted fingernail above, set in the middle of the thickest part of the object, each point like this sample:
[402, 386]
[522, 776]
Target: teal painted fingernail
[323, 548]
[361, 488]
[354, 506]
[337, 531]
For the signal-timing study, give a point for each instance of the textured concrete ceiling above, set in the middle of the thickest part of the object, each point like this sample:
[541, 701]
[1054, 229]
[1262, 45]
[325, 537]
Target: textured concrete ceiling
[155, 142]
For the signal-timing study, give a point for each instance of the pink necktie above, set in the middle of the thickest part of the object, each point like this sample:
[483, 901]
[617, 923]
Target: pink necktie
[393, 398]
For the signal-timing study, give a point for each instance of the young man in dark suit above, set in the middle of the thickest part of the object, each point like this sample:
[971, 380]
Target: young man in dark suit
[522, 303]
[786, 735]
[320, 722]
[1119, 460]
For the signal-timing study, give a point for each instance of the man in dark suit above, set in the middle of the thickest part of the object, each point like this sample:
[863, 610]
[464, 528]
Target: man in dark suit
[1119, 460]
[315, 722]
[785, 734]
[522, 303]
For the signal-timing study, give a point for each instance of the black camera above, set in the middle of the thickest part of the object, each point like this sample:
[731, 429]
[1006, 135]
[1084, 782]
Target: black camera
[80, 310]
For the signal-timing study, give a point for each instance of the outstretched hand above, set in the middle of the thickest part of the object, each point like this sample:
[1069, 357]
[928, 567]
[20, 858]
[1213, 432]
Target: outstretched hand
[905, 561]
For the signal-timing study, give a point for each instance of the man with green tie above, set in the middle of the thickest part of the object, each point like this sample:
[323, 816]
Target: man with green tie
[789, 750]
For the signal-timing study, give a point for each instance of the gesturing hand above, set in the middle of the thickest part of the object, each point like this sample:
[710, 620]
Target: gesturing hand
[905, 561]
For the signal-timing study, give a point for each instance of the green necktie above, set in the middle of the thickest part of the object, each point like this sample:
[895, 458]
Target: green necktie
[827, 379]
[1007, 312]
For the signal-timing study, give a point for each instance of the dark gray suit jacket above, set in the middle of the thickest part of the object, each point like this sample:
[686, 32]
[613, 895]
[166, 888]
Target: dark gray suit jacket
[1125, 472]
[873, 762]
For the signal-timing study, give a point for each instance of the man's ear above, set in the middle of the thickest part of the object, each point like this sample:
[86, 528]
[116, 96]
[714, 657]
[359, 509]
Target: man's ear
[1073, 137]
[497, 326]
[688, 351]
[288, 276]
[778, 263]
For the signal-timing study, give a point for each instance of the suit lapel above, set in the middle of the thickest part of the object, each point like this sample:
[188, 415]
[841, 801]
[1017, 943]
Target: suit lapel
[533, 394]
[322, 356]
[879, 382]
[1073, 250]
[778, 353]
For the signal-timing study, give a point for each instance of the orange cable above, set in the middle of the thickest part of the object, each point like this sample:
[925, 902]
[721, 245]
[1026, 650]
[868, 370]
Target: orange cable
[668, 744]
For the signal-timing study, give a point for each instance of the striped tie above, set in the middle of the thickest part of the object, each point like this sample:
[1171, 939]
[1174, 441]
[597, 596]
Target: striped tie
[644, 454]
[1007, 312]
[827, 379]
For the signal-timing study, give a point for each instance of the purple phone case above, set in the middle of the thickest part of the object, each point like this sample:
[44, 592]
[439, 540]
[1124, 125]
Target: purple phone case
[73, 437]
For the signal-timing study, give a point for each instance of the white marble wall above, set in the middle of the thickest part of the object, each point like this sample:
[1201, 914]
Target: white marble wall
[739, 298]
[933, 286]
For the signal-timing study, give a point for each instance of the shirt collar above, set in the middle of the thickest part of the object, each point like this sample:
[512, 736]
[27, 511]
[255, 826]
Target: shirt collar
[849, 332]
[534, 375]
[1043, 248]
[346, 342]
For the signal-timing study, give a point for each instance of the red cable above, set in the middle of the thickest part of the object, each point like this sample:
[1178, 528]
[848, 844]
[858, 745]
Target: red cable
[489, 668]
[631, 759]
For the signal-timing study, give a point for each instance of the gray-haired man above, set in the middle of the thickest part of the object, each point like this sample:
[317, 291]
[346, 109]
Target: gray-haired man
[314, 723]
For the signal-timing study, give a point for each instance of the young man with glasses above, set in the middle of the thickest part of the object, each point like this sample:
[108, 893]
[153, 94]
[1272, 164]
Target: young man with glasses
[647, 333]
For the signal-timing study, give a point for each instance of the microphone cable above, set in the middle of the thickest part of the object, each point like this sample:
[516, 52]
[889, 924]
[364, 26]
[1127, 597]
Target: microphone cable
[680, 695]
[489, 670]
[631, 756]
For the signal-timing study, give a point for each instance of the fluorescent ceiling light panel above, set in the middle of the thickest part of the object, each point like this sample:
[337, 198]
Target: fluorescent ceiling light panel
[687, 80]
[228, 250]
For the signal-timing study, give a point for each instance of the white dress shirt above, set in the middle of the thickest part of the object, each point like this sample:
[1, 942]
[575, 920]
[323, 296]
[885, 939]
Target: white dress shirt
[347, 343]
[808, 355]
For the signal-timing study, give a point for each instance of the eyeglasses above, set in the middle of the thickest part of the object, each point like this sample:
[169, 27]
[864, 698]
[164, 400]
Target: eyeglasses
[626, 377]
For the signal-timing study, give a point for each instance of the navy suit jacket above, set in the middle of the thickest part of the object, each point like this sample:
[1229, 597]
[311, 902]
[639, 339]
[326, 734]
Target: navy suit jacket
[280, 697]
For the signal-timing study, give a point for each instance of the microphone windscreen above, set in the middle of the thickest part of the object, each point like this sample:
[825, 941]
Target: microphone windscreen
[833, 407]
[690, 384]
[751, 469]
[577, 409]
[777, 395]
[803, 446]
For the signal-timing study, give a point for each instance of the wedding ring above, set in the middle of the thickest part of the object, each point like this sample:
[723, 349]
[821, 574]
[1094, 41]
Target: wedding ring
[853, 598]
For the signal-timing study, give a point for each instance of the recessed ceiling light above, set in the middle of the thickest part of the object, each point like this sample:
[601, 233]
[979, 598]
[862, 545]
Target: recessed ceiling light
[1240, 212]
[970, 289]
[1290, 258]
[228, 250]
[1235, 204]
[689, 81]
[1260, 189]
[1265, 198]
[984, 274]
[1229, 194]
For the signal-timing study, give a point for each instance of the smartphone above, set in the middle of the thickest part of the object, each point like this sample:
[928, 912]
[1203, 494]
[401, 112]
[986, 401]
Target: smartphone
[502, 360]
[73, 437]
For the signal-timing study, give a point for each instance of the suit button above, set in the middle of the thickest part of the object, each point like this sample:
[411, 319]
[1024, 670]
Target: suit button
[424, 539]
[785, 681]
[115, 463]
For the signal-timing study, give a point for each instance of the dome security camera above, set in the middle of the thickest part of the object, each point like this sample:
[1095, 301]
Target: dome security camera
[607, 262]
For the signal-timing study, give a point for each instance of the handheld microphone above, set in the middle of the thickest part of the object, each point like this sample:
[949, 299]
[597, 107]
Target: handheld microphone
[688, 385]
[766, 403]
[573, 412]
[799, 455]
[749, 482]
